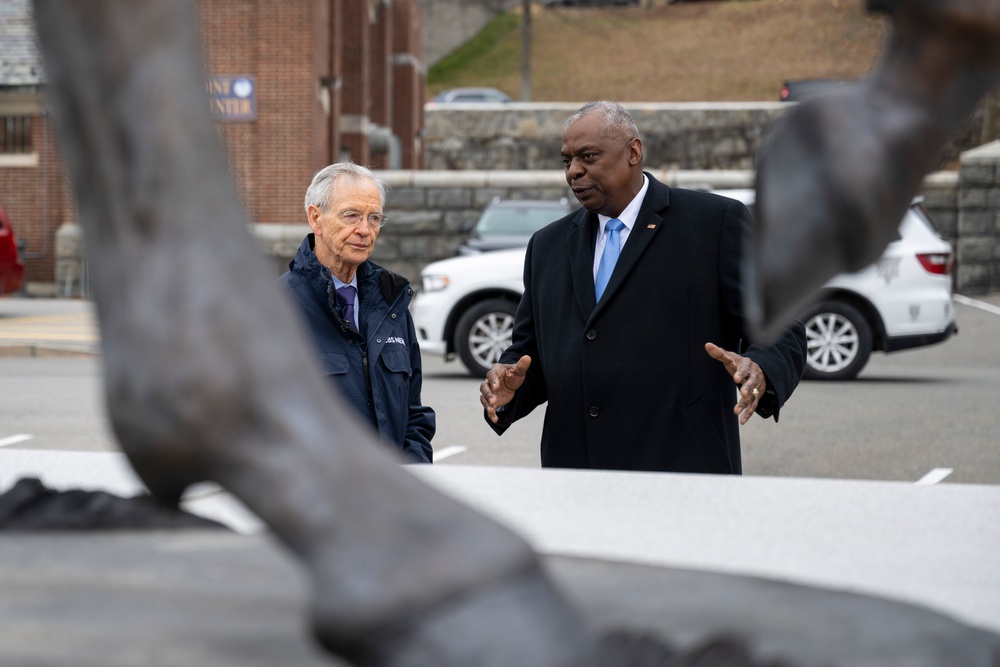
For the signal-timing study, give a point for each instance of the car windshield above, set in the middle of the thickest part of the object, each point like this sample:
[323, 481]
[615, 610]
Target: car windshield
[476, 97]
[515, 220]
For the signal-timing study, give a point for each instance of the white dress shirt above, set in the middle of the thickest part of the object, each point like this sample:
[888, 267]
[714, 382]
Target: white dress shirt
[627, 217]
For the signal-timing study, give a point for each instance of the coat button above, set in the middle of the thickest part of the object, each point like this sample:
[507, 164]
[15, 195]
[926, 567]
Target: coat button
[594, 411]
[378, 340]
[591, 335]
[394, 316]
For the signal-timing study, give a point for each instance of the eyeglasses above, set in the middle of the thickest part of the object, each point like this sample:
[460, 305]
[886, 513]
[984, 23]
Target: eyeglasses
[354, 218]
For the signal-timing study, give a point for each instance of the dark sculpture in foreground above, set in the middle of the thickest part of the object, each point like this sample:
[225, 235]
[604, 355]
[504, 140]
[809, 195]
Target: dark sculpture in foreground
[206, 373]
[837, 174]
[208, 378]
[29, 505]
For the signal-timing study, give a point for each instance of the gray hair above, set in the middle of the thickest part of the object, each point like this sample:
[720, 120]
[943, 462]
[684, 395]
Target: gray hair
[616, 122]
[320, 191]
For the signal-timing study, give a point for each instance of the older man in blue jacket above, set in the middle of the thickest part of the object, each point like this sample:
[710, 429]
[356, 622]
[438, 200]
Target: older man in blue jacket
[357, 311]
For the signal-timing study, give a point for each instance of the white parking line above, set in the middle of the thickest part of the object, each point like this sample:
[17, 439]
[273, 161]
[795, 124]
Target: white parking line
[446, 452]
[14, 439]
[981, 305]
[934, 476]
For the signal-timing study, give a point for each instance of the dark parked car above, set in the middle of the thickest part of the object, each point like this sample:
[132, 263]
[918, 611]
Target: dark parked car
[804, 89]
[11, 268]
[466, 95]
[509, 223]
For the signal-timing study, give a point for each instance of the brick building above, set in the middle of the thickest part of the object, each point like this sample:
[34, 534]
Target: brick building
[294, 86]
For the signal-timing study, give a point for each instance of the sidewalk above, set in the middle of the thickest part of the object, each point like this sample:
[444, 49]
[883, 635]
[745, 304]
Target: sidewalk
[48, 327]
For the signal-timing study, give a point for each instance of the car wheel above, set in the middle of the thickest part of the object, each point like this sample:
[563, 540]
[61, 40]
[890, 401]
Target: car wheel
[838, 341]
[483, 333]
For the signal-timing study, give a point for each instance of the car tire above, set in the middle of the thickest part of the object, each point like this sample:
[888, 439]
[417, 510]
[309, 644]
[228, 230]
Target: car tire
[483, 333]
[838, 341]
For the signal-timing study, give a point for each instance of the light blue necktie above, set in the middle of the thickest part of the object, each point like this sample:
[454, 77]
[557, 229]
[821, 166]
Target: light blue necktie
[612, 247]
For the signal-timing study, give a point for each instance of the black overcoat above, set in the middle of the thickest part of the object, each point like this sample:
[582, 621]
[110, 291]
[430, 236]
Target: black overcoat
[628, 383]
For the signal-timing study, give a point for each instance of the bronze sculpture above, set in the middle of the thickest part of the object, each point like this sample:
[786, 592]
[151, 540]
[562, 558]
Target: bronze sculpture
[206, 375]
[837, 173]
[204, 370]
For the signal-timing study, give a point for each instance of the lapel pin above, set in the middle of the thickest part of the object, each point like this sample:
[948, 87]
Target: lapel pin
[650, 226]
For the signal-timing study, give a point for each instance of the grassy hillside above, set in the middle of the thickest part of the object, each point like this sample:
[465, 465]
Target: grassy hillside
[685, 52]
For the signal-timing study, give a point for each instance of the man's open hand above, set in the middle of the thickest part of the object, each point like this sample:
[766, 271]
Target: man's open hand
[746, 374]
[500, 384]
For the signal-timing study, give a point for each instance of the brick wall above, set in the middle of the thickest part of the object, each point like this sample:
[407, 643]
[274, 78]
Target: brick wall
[318, 90]
[380, 88]
[356, 56]
[277, 43]
[409, 78]
[34, 191]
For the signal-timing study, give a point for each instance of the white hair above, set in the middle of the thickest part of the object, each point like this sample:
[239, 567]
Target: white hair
[615, 120]
[320, 191]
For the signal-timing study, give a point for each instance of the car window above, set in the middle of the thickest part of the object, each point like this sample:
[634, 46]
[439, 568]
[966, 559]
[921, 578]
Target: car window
[925, 215]
[499, 221]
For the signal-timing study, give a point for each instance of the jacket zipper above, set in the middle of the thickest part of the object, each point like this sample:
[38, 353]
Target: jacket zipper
[364, 353]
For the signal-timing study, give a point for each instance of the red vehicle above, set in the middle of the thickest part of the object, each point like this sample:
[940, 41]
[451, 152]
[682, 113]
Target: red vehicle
[11, 268]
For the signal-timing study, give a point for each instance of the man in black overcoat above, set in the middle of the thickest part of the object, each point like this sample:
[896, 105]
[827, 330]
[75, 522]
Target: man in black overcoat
[657, 373]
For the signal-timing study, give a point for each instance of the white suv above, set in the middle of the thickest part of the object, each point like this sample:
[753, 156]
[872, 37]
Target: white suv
[903, 300]
[467, 305]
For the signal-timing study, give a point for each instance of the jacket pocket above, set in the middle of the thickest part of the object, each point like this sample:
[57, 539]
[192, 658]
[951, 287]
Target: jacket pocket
[333, 363]
[396, 359]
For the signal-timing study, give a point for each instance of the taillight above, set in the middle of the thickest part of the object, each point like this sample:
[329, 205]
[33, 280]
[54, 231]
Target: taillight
[784, 93]
[939, 263]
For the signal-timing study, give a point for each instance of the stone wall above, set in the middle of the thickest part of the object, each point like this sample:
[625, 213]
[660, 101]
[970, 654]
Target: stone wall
[427, 210]
[695, 135]
[529, 135]
[978, 244]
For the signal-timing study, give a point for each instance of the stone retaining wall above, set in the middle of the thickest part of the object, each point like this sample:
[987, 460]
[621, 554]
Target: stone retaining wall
[693, 135]
[427, 210]
[978, 233]
[529, 135]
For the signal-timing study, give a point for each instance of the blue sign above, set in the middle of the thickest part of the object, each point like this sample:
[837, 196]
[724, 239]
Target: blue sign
[232, 97]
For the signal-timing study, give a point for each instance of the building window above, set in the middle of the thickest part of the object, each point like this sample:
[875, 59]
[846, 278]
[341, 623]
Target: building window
[15, 134]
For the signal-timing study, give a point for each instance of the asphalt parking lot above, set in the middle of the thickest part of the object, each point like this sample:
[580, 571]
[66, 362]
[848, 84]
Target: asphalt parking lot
[917, 416]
